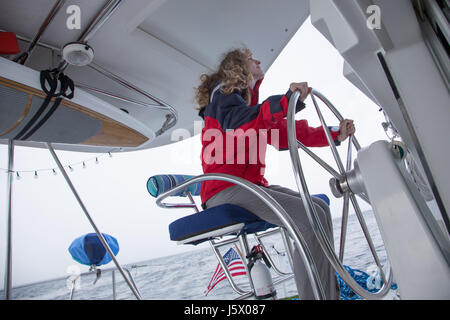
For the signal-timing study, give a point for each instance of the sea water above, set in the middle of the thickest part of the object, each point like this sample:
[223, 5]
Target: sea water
[186, 276]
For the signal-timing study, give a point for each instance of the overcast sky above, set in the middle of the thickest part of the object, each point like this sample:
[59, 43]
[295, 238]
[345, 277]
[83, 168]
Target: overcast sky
[46, 216]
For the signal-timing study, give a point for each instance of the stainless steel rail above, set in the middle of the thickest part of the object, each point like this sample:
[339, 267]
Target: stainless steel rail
[118, 97]
[288, 245]
[96, 23]
[258, 238]
[22, 58]
[91, 221]
[161, 104]
[126, 84]
[132, 280]
[170, 122]
[287, 222]
[214, 245]
[9, 187]
[345, 207]
[113, 278]
[102, 16]
[320, 233]
[242, 239]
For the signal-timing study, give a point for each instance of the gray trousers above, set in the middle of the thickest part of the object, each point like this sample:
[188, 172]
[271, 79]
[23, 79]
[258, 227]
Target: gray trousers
[291, 202]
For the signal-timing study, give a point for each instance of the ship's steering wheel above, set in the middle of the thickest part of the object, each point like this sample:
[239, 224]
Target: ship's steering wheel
[343, 184]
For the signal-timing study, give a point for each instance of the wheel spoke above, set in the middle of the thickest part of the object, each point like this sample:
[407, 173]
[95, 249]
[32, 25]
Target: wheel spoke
[329, 105]
[367, 234]
[356, 143]
[325, 165]
[330, 140]
[336, 113]
[344, 227]
[322, 237]
[349, 154]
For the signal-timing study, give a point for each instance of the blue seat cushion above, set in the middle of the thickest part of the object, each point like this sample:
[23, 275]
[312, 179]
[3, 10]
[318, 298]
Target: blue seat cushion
[322, 197]
[216, 218]
[220, 217]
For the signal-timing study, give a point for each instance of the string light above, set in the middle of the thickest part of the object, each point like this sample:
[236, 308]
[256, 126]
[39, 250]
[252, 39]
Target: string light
[71, 167]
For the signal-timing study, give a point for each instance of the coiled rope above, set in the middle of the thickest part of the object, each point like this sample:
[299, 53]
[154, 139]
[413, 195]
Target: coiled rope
[363, 279]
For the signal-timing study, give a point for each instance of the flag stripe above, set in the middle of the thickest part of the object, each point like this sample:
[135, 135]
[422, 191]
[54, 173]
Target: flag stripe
[231, 267]
[218, 270]
[224, 277]
[234, 264]
[231, 271]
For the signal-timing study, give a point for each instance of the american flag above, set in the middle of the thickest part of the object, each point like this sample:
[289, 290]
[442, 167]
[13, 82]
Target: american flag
[235, 265]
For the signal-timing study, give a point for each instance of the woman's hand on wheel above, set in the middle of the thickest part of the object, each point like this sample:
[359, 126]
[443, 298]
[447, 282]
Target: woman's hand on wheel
[302, 87]
[346, 129]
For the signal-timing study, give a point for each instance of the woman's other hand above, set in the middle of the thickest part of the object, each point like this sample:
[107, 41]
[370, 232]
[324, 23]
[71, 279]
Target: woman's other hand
[346, 129]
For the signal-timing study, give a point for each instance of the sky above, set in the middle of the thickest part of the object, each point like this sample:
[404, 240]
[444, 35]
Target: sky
[47, 217]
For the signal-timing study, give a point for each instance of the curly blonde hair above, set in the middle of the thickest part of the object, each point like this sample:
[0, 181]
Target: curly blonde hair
[232, 73]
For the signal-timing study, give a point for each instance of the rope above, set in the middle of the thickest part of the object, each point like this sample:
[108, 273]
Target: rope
[363, 279]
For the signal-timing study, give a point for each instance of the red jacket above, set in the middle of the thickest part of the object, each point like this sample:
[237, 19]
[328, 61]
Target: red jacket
[235, 136]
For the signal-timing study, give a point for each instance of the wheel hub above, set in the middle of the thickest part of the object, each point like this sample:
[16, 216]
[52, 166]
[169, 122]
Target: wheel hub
[351, 182]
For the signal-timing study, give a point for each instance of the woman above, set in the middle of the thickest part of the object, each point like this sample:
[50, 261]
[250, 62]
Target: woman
[228, 101]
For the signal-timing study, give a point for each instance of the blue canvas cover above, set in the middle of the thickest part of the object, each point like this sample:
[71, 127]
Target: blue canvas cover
[88, 249]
